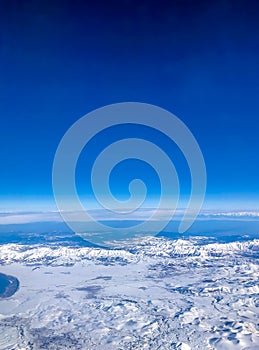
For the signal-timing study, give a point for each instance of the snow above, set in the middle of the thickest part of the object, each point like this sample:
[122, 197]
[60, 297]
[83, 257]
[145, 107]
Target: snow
[149, 293]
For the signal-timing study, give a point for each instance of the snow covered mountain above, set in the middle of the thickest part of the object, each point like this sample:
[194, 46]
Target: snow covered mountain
[147, 293]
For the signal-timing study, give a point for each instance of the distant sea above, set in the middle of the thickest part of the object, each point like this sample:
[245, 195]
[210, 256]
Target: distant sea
[58, 234]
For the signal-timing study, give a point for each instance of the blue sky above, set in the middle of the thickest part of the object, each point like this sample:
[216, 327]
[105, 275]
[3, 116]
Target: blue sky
[62, 59]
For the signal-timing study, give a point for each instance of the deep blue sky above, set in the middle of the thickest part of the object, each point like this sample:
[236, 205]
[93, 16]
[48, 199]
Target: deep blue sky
[62, 59]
